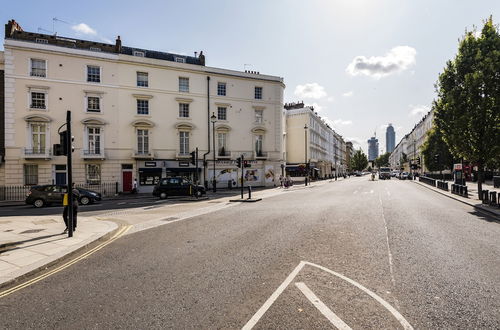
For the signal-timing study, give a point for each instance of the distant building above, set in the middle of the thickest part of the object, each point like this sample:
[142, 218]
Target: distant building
[372, 148]
[390, 138]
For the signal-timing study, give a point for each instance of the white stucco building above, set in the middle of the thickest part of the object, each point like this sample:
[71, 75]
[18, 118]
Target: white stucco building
[136, 114]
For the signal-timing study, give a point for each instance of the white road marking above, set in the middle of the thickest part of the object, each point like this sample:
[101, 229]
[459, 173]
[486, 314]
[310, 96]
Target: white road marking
[387, 243]
[121, 203]
[327, 312]
[256, 317]
[385, 304]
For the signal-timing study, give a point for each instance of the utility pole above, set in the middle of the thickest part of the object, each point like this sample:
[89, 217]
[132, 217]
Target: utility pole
[69, 149]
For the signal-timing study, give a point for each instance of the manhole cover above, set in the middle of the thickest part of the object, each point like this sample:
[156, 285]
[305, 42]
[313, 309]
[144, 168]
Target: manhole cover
[170, 219]
[31, 231]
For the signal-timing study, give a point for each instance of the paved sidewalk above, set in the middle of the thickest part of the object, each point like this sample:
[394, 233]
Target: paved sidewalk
[473, 199]
[29, 244]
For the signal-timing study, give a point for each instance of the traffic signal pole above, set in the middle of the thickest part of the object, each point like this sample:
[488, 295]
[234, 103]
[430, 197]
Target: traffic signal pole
[242, 167]
[69, 150]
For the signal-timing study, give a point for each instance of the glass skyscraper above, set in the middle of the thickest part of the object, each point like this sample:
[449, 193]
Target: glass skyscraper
[390, 139]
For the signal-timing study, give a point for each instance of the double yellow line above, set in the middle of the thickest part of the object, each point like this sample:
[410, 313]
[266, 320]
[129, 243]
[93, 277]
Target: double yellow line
[117, 235]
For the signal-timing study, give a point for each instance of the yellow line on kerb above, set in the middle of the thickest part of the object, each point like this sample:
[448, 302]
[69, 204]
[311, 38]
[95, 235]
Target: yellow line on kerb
[121, 232]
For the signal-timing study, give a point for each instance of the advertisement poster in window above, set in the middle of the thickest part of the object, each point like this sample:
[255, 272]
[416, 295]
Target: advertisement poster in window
[224, 175]
[253, 175]
[269, 173]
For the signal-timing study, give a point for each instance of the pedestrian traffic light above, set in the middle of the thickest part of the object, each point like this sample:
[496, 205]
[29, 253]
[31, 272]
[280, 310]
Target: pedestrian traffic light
[193, 157]
[61, 149]
[238, 162]
[246, 163]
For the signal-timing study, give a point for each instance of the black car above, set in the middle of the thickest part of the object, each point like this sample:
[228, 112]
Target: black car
[40, 196]
[177, 186]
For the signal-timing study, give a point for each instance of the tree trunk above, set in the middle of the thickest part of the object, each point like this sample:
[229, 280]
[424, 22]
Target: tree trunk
[480, 171]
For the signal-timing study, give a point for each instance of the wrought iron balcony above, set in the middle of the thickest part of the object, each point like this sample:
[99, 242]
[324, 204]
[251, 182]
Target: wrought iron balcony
[143, 154]
[38, 153]
[93, 153]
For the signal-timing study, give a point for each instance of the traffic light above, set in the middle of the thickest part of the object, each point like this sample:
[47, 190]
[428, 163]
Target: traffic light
[436, 158]
[418, 161]
[61, 149]
[246, 163]
[193, 157]
[238, 162]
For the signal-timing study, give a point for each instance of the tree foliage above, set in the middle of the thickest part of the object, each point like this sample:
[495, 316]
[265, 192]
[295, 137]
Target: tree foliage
[437, 155]
[467, 109]
[359, 161]
[382, 160]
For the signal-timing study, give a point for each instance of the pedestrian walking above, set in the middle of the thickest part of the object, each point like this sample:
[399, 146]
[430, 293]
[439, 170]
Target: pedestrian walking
[281, 181]
[134, 187]
[76, 197]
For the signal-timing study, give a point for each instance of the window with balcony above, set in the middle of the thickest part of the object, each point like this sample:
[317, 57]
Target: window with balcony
[93, 74]
[142, 79]
[30, 174]
[38, 139]
[184, 110]
[258, 145]
[221, 89]
[258, 93]
[142, 107]
[184, 143]
[93, 173]
[259, 116]
[221, 113]
[93, 104]
[222, 143]
[143, 141]
[93, 141]
[183, 84]
[38, 68]
[38, 100]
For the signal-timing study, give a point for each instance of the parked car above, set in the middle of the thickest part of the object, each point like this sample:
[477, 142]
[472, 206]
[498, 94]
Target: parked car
[403, 175]
[394, 174]
[40, 196]
[177, 186]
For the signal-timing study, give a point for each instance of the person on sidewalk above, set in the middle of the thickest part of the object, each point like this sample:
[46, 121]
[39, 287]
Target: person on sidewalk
[134, 187]
[76, 197]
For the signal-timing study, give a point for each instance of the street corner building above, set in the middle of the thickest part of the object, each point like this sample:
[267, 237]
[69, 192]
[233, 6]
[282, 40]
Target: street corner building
[136, 114]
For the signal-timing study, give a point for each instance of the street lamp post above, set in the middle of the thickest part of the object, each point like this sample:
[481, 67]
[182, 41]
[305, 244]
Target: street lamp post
[213, 119]
[305, 154]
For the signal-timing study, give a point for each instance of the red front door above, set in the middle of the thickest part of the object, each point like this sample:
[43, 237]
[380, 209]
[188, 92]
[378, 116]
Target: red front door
[127, 181]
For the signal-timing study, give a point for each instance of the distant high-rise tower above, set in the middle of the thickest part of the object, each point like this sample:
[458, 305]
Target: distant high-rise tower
[390, 138]
[372, 148]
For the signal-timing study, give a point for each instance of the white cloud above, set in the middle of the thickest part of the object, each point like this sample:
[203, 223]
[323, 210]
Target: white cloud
[340, 122]
[356, 142]
[84, 29]
[317, 107]
[418, 110]
[310, 91]
[348, 94]
[396, 60]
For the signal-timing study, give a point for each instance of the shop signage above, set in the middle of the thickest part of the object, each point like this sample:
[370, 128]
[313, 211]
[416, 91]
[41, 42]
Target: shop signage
[183, 164]
[150, 164]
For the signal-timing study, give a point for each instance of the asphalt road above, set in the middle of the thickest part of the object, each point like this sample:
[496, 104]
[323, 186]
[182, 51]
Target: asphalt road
[353, 253]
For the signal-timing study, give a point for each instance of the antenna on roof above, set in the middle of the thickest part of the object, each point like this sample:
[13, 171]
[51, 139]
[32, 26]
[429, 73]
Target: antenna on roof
[54, 20]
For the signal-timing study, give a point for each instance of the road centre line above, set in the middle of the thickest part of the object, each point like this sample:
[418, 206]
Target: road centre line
[391, 269]
[268, 303]
[118, 234]
[327, 312]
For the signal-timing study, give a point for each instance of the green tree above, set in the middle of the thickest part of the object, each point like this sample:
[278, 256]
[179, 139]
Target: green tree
[437, 155]
[382, 160]
[467, 110]
[359, 160]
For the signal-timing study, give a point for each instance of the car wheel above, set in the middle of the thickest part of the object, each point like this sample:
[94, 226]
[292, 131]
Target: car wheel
[163, 195]
[39, 203]
[85, 200]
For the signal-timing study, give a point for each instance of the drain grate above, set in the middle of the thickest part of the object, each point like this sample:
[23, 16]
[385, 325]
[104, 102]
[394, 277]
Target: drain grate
[31, 231]
[170, 219]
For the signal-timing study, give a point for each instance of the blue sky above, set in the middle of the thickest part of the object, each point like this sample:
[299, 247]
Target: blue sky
[363, 63]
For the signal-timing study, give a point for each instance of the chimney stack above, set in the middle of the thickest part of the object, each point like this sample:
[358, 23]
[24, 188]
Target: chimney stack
[118, 45]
